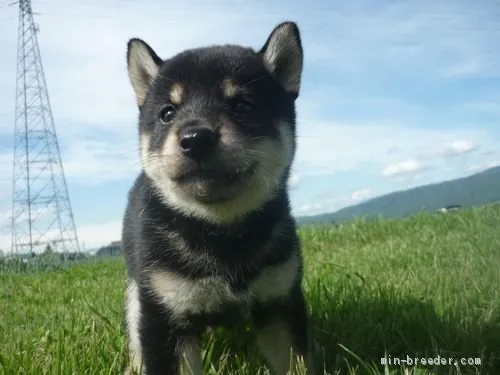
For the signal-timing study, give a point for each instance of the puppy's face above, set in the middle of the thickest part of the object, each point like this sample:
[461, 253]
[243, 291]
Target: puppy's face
[217, 124]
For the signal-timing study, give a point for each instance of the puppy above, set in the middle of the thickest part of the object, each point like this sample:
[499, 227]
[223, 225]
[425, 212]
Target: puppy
[208, 235]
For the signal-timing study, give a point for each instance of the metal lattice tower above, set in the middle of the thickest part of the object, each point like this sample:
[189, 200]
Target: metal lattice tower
[41, 209]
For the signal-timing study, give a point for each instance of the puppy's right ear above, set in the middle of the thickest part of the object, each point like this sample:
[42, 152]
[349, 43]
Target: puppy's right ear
[143, 66]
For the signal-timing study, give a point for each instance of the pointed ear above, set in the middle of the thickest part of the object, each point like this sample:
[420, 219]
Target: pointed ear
[283, 56]
[143, 66]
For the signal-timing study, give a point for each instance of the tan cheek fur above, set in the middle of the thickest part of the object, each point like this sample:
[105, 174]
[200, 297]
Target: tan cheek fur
[274, 158]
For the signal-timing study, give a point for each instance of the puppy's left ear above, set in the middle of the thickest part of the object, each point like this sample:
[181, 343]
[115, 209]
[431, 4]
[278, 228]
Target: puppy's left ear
[283, 56]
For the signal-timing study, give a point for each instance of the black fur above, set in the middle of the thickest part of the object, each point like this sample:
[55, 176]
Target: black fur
[237, 251]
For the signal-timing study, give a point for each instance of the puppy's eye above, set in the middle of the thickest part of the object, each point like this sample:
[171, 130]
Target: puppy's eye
[241, 106]
[167, 114]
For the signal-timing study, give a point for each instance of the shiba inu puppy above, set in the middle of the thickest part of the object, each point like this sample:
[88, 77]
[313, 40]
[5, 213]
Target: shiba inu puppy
[208, 235]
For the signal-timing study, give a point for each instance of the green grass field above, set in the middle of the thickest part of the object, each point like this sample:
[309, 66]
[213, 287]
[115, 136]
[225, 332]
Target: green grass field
[425, 286]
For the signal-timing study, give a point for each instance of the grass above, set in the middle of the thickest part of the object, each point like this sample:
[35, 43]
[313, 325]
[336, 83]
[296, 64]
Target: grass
[424, 286]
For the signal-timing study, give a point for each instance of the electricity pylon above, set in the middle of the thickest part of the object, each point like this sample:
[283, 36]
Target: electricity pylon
[42, 217]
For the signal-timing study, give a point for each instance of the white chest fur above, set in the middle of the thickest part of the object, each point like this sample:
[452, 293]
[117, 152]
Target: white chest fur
[208, 294]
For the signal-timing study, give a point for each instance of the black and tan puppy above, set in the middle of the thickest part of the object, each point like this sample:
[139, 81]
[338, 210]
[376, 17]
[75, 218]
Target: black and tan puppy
[208, 234]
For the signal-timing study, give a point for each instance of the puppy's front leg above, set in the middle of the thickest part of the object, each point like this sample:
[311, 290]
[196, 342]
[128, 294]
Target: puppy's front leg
[191, 362]
[165, 344]
[282, 330]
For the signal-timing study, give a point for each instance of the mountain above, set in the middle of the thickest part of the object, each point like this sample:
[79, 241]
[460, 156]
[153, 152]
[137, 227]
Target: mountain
[474, 190]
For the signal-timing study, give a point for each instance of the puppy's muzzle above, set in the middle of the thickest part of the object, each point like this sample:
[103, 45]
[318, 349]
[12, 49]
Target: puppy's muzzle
[198, 141]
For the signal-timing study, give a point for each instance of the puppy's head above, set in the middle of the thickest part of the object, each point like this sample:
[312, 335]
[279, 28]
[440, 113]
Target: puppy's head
[217, 124]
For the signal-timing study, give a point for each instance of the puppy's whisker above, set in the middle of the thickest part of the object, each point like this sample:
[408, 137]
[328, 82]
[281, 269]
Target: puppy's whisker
[253, 80]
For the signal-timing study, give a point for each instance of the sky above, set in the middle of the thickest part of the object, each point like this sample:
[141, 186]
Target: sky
[395, 94]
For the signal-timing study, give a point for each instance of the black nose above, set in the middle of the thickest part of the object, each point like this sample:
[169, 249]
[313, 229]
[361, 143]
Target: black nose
[198, 142]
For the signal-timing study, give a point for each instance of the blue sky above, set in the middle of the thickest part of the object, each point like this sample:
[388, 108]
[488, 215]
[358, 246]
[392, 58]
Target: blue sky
[394, 94]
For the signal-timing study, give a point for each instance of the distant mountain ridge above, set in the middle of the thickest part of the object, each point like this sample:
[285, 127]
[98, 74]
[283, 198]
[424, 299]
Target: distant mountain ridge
[474, 190]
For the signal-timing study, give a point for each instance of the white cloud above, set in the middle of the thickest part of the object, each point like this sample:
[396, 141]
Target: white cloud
[6, 163]
[483, 166]
[294, 180]
[465, 68]
[458, 147]
[311, 208]
[86, 161]
[406, 32]
[333, 204]
[484, 106]
[98, 161]
[96, 235]
[360, 195]
[328, 147]
[90, 236]
[406, 167]
[5, 219]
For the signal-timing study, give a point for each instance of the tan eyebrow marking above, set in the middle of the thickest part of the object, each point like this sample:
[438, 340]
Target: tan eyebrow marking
[230, 88]
[175, 94]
